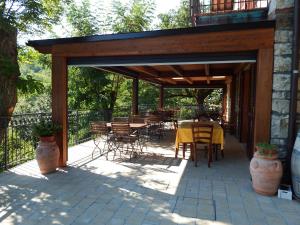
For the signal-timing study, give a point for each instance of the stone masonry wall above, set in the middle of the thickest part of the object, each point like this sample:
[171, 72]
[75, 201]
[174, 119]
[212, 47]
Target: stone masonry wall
[298, 98]
[282, 12]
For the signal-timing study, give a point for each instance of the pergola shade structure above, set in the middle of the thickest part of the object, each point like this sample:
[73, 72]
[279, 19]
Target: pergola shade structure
[207, 56]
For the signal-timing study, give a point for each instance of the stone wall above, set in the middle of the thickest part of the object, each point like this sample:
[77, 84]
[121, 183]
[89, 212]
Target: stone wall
[298, 97]
[282, 12]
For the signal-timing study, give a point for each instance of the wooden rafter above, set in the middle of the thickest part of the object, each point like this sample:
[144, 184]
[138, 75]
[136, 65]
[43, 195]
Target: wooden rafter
[168, 80]
[146, 70]
[242, 67]
[179, 72]
[129, 73]
[197, 73]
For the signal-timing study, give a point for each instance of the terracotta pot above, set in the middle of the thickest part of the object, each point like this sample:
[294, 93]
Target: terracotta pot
[47, 154]
[266, 174]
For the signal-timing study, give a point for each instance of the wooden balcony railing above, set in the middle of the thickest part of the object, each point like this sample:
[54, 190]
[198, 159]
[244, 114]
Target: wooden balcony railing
[210, 8]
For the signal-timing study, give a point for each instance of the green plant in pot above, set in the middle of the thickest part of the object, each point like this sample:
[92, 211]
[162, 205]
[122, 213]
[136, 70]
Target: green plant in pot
[46, 130]
[266, 150]
[47, 151]
[266, 169]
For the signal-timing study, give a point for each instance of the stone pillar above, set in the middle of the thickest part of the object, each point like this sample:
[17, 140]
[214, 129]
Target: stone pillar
[282, 12]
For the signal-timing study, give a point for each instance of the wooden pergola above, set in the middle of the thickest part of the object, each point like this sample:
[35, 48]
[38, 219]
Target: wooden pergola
[206, 56]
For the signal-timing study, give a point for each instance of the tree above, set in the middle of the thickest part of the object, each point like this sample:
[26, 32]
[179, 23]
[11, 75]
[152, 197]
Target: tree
[18, 16]
[180, 18]
[133, 17]
[90, 88]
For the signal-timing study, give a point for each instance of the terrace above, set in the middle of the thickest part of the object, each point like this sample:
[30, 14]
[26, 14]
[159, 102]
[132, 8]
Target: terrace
[154, 188]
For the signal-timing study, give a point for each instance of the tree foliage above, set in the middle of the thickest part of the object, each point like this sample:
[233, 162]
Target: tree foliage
[90, 88]
[133, 17]
[30, 15]
[176, 18]
[180, 18]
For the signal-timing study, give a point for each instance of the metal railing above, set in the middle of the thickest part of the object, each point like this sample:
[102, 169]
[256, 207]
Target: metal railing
[17, 143]
[200, 8]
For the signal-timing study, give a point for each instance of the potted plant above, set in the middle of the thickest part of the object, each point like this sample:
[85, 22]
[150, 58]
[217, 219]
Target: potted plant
[265, 169]
[47, 151]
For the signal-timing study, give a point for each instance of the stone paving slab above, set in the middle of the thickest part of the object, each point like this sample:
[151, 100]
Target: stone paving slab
[152, 189]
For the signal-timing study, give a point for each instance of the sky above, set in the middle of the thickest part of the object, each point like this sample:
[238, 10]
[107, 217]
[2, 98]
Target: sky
[162, 6]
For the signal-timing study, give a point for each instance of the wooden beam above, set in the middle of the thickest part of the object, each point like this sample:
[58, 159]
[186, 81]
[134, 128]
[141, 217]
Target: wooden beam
[112, 70]
[135, 96]
[146, 70]
[222, 41]
[60, 105]
[179, 72]
[263, 96]
[130, 73]
[168, 80]
[242, 67]
[197, 73]
[213, 86]
[206, 68]
[161, 97]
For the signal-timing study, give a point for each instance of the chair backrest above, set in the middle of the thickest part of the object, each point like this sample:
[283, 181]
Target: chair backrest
[202, 133]
[99, 127]
[153, 119]
[136, 119]
[120, 119]
[120, 128]
[175, 124]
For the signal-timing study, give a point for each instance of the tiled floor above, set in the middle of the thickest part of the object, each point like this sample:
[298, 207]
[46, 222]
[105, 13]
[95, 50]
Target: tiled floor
[152, 189]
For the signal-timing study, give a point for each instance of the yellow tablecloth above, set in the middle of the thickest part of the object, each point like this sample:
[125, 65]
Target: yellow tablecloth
[185, 134]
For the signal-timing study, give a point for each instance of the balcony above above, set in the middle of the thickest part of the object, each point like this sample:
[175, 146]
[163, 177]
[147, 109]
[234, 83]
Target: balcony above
[206, 12]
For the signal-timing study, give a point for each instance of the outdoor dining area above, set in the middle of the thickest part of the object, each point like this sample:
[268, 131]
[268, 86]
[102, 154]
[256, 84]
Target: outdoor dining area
[130, 135]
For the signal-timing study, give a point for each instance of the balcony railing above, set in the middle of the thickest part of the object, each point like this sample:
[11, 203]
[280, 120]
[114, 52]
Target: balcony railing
[218, 11]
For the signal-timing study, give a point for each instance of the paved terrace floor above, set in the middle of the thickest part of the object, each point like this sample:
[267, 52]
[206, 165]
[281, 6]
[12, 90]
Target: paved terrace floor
[152, 189]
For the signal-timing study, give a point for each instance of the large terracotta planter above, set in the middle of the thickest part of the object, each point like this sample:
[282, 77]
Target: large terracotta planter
[47, 154]
[266, 174]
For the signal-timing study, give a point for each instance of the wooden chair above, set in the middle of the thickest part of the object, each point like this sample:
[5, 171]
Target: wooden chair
[122, 135]
[136, 119]
[184, 145]
[120, 119]
[99, 132]
[202, 136]
[154, 126]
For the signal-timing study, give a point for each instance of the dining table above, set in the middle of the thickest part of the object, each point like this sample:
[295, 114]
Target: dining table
[132, 125]
[184, 133]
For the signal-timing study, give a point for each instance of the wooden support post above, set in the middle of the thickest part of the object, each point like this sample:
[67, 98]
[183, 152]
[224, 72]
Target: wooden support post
[135, 96]
[161, 97]
[263, 96]
[232, 118]
[60, 104]
[224, 103]
[228, 99]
